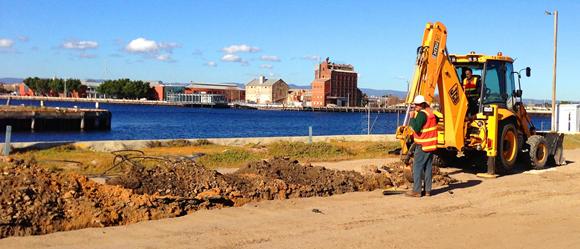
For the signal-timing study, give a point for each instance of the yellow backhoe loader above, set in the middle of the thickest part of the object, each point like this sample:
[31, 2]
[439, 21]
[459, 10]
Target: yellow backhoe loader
[490, 126]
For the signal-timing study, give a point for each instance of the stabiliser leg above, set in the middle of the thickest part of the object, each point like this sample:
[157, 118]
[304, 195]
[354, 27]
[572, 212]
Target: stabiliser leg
[490, 169]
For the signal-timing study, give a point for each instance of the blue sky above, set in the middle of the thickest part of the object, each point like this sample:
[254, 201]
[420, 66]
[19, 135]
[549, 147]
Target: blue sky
[234, 41]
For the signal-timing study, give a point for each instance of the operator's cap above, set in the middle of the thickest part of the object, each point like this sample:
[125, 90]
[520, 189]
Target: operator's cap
[419, 99]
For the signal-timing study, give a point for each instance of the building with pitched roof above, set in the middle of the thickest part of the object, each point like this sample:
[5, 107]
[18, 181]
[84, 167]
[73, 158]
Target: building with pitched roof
[266, 91]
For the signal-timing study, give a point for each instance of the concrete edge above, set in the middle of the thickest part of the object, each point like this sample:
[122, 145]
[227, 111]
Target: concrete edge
[107, 146]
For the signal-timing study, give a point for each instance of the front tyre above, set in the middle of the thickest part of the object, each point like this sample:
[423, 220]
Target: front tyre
[507, 148]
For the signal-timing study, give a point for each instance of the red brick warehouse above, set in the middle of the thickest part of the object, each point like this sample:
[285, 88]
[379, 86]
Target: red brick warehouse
[335, 84]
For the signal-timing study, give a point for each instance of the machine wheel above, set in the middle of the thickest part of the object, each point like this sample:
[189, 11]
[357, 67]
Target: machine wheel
[538, 151]
[507, 152]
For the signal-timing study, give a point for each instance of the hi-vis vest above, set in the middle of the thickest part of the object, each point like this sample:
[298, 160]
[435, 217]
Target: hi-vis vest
[470, 87]
[427, 137]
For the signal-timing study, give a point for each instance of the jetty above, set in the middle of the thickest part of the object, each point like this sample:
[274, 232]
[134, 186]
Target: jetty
[32, 118]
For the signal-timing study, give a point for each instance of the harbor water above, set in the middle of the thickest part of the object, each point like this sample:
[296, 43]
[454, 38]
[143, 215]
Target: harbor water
[132, 122]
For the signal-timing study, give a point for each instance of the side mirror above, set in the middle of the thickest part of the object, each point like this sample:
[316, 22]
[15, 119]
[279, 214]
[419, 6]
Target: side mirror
[528, 72]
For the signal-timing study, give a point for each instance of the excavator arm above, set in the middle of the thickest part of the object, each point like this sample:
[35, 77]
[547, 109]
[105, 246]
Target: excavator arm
[434, 71]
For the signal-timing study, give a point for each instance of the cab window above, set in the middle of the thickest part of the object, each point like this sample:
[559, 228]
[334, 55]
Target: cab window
[495, 91]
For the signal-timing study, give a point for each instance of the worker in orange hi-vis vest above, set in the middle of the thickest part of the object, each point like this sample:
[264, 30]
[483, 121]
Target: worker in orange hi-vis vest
[424, 125]
[471, 87]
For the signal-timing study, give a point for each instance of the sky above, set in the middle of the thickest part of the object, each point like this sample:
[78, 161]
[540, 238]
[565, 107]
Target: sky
[235, 41]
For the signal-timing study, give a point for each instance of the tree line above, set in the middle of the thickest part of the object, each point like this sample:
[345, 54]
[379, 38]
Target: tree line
[124, 89]
[43, 86]
[120, 88]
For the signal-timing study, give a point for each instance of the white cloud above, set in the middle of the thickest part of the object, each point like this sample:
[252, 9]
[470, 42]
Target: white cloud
[6, 43]
[87, 56]
[231, 58]
[211, 64]
[240, 48]
[142, 45]
[267, 66]
[164, 57]
[311, 58]
[151, 49]
[80, 45]
[168, 46]
[270, 58]
[23, 38]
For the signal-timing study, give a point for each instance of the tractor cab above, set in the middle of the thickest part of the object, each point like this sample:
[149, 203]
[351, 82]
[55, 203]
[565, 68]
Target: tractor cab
[494, 76]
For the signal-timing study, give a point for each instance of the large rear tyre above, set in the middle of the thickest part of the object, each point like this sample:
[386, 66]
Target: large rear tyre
[538, 151]
[507, 153]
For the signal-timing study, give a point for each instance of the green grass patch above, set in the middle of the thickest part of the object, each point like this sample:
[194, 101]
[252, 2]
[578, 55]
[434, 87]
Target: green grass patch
[313, 151]
[229, 158]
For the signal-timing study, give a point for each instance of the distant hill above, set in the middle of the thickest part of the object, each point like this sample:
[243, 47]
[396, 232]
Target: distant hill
[11, 80]
[379, 93]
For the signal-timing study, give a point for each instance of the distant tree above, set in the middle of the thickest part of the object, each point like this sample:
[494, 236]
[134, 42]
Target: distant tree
[73, 84]
[124, 89]
[56, 85]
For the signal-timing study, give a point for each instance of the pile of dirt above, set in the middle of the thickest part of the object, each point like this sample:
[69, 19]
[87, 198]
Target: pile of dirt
[263, 180]
[401, 176]
[36, 201]
[277, 178]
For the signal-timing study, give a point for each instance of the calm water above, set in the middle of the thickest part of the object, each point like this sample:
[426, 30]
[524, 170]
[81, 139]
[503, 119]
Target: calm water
[165, 122]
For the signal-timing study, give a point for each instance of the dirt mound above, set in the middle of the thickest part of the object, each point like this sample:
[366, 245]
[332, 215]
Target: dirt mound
[264, 180]
[36, 201]
[277, 178]
[308, 180]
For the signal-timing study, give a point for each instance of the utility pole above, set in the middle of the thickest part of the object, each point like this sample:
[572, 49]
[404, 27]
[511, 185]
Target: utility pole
[368, 119]
[555, 14]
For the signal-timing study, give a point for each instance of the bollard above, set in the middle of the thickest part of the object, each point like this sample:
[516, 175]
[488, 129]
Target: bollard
[309, 134]
[42, 103]
[7, 140]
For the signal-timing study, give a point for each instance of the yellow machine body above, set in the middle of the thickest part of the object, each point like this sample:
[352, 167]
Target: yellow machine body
[437, 77]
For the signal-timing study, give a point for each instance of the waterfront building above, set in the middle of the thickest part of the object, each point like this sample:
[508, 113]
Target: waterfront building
[231, 91]
[335, 84]
[299, 97]
[162, 90]
[266, 91]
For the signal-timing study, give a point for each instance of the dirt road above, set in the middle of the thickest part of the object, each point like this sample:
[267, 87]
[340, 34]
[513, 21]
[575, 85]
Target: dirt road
[524, 210]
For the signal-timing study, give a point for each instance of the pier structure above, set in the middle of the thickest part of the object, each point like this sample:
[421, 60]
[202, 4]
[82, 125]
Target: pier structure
[29, 118]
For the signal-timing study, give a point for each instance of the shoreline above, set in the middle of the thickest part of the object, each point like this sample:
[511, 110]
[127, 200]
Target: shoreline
[112, 145]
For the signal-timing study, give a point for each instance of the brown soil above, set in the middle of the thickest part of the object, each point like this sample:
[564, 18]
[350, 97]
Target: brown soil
[39, 201]
[36, 201]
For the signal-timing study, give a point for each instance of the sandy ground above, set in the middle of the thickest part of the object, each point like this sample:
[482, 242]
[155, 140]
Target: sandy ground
[535, 209]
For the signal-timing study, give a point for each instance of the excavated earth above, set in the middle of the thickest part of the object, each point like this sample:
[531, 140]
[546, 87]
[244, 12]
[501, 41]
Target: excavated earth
[38, 201]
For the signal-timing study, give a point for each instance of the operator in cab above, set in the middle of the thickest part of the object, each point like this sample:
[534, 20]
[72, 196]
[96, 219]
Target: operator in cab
[471, 86]
[424, 126]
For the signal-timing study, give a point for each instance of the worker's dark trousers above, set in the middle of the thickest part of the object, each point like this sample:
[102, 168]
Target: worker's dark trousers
[422, 163]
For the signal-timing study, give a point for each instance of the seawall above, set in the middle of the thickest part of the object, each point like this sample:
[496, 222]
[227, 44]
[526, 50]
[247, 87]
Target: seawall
[140, 144]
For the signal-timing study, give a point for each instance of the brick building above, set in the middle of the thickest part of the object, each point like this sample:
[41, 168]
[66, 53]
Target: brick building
[335, 84]
[232, 92]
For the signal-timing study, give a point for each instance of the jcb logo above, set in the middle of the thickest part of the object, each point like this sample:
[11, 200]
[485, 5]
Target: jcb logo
[435, 49]
[454, 94]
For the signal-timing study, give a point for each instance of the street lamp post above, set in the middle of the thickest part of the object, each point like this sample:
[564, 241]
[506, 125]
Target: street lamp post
[555, 14]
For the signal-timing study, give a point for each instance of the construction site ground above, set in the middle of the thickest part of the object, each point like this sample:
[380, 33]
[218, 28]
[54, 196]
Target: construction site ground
[529, 209]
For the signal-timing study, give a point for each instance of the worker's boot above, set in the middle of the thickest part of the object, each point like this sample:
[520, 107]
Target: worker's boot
[412, 193]
[427, 193]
